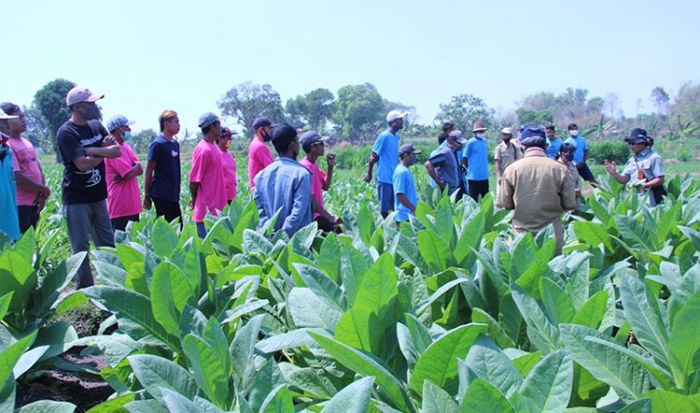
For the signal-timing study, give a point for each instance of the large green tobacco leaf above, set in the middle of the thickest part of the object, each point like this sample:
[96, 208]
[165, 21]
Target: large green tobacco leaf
[663, 401]
[177, 403]
[329, 257]
[170, 292]
[18, 276]
[439, 361]
[322, 286]
[543, 335]
[640, 406]
[685, 341]
[592, 234]
[54, 283]
[311, 381]
[437, 400]
[548, 385]
[593, 311]
[605, 363]
[242, 351]
[469, 240]
[353, 267]
[352, 399]
[155, 373]
[489, 363]
[8, 358]
[483, 397]
[278, 401]
[308, 310]
[556, 301]
[433, 249]
[133, 307]
[164, 238]
[44, 406]
[366, 366]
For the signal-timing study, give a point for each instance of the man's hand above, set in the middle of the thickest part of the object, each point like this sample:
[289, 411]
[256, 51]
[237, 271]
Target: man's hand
[109, 140]
[147, 203]
[367, 178]
[330, 161]
[610, 166]
[373, 157]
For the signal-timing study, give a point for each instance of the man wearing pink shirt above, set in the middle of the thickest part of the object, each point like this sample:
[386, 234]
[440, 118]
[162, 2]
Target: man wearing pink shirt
[123, 195]
[259, 154]
[207, 174]
[228, 162]
[31, 184]
[313, 145]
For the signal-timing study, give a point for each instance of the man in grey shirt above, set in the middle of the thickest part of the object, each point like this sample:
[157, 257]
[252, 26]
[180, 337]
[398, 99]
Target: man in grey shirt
[284, 185]
[442, 165]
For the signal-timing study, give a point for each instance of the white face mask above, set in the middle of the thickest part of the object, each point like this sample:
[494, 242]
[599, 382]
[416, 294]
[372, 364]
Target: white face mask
[573, 132]
[481, 135]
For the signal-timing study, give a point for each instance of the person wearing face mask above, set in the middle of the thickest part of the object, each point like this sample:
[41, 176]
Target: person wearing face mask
[284, 186]
[32, 191]
[476, 161]
[566, 158]
[581, 153]
[259, 154]
[645, 168]
[443, 167]
[83, 144]
[228, 162]
[505, 154]
[9, 222]
[123, 194]
[405, 199]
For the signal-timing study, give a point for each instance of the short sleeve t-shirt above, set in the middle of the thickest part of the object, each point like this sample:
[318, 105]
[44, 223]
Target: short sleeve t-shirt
[581, 147]
[208, 172]
[166, 175]
[553, 148]
[123, 197]
[9, 223]
[404, 184]
[318, 178]
[387, 149]
[478, 159]
[229, 164]
[81, 187]
[259, 156]
[25, 160]
[445, 162]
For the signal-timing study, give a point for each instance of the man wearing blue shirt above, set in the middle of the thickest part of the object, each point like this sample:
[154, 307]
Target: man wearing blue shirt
[553, 142]
[580, 154]
[443, 167]
[386, 152]
[404, 185]
[284, 185]
[9, 220]
[476, 160]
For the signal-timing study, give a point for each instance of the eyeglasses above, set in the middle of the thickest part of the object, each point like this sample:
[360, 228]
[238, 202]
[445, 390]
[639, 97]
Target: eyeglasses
[317, 144]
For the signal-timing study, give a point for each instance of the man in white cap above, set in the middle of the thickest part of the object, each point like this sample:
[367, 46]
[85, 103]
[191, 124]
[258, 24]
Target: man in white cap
[123, 195]
[83, 144]
[386, 152]
[506, 153]
[9, 222]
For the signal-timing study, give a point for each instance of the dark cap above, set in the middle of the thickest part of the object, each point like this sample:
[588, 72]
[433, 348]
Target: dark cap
[261, 121]
[638, 135]
[226, 133]
[533, 136]
[407, 148]
[311, 137]
[458, 136]
[447, 126]
[283, 132]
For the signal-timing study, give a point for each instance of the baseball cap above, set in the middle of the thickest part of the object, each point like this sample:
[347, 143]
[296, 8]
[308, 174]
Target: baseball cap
[261, 121]
[207, 119]
[81, 94]
[310, 137]
[638, 135]
[407, 148]
[118, 121]
[507, 131]
[395, 114]
[533, 136]
[226, 133]
[479, 126]
[283, 132]
[4, 115]
[458, 136]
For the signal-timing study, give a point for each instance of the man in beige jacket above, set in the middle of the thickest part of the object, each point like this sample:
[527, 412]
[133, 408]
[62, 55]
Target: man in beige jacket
[537, 188]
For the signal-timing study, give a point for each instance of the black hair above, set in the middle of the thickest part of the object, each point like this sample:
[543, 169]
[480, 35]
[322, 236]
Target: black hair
[442, 138]
[549, 127]
[572, 126]
[282, 145]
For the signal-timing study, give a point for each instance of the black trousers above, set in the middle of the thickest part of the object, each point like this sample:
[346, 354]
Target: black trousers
[170, 210]
[120, 223]
[28, 217]
[478, 189]
[585, 172]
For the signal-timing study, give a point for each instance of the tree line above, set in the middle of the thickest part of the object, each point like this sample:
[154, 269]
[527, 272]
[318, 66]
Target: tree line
[356, 112]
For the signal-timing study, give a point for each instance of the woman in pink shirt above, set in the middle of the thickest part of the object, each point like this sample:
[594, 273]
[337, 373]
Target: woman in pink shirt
[259, 154]
[123, 195]
[228, 162]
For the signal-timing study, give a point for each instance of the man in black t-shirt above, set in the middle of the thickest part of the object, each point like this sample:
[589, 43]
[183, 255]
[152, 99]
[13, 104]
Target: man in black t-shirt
[83, 143]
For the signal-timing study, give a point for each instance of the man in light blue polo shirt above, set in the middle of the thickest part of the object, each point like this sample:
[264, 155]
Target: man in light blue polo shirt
[476, 160]
[386, 152]
[553, 142]
[404, 184]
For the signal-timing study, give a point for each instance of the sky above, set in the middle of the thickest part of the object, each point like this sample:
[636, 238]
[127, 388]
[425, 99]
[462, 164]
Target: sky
[151, 55]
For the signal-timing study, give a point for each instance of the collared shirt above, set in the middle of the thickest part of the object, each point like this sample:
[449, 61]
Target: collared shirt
[553, 147]
[387, 149]
[123, 197]
[9, 221]
[477, 154]
[404, 183]
[506, 154]
[26, 161]
[284, 185]
[318, 179]
[445, 162]
[538, 189]
[644, 167]
[259, 156]
[581, 146]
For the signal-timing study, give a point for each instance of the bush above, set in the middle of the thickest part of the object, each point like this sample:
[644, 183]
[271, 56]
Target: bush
[609, 150]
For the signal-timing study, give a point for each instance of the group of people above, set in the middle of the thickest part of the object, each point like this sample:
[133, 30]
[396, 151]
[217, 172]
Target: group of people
[537, 174]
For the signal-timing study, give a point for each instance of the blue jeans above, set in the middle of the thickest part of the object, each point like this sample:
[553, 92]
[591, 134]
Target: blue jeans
[201, 229]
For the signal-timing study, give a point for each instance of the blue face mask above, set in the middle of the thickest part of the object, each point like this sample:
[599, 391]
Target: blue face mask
[126, 136]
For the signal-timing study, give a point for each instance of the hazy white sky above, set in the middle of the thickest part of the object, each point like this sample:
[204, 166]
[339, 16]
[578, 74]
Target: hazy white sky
[149, 55]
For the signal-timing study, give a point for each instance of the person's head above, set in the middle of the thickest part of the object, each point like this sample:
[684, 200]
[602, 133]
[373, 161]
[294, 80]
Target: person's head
[566, 152]
[169, 122]
[573, 130]
[262, 127]
[313, 143]
[82, 104]
[550, 131]
[285, 140]
[442, 138]
[447, 127]
[210, 125]
[225, 139]
[638, 140]
[506, 134]
[456, 140]
[4, 125]
[479, 129]
[533, 137]
[395, 119]
[407, 154]
[16, 125]
[120, 127]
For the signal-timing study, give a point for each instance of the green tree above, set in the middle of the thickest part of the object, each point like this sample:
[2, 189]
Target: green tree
[534, 117]
[37, 131]
[687, 102]
[142, 139]
[661, 100]
[247, 101]
[50, 101]
[313, 109]
[463, 110]
[359, 111]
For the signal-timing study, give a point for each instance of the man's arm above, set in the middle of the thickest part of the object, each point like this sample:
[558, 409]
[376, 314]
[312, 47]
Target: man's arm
[433, 174]
[568, 194]
[505, 195]
[111, 152]
[147, 182]
[301, 204]
[329, 174]
[373, 157]
[85, 163]
[194, 187]
[29, 185]
[404, 200]
[316, 207]
[658, 181]
[611, 168]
